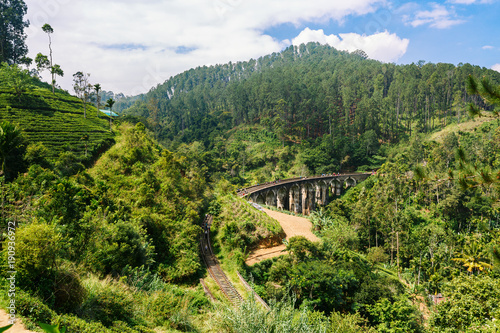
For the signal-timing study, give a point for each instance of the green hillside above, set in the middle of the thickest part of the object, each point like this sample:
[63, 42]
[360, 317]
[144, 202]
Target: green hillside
[57, 120]
[334, 108]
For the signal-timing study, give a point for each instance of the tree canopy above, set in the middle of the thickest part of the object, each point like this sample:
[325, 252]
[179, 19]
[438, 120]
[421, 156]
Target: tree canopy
[12, 35]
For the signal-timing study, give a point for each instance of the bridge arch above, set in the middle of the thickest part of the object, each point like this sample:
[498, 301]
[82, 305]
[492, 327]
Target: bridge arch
[350, 182]
[271, 198]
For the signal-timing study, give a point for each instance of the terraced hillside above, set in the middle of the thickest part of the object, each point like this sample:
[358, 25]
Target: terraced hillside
[242, 226]
[57, 120]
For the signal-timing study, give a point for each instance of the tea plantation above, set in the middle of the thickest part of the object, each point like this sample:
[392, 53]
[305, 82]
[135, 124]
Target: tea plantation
[57, 120]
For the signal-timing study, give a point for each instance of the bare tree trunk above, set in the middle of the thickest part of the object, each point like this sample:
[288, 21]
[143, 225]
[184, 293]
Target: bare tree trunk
[397, 252]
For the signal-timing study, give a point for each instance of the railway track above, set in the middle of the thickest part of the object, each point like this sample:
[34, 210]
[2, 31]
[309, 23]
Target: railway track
[214, 268]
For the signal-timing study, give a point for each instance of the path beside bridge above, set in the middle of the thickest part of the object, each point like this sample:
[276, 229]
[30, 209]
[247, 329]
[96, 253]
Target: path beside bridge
[292, 226]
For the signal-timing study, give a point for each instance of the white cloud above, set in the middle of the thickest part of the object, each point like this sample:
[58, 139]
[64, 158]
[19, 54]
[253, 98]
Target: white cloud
[381, 46]
[131, 46]
[439, 17]
[496, 67]
[469, 2]
[487, 47]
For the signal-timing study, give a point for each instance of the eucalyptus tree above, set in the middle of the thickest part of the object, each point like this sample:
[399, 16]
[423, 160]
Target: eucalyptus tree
[82, 88]
[54, 68]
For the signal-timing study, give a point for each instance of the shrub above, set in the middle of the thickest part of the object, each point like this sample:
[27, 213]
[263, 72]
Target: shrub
[471, 301]
[398, 316]
[33, 308]
[69, 293]
[107, 301]
[37, 247]
[116, 246]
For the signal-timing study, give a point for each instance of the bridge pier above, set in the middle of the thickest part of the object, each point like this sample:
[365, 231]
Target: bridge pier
[281, 199]
[295, 204]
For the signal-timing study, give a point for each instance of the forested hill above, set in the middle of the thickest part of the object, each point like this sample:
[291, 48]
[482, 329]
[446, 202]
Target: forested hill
[306, 92]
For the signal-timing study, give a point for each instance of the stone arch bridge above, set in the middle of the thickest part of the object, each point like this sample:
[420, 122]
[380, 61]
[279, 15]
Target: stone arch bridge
[301, 195]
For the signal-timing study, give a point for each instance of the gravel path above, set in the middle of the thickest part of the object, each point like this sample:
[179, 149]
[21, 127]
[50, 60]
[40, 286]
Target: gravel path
[292, 226]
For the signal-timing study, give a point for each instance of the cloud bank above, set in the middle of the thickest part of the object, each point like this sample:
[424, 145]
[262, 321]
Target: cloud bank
[130, 46]
[381, 46]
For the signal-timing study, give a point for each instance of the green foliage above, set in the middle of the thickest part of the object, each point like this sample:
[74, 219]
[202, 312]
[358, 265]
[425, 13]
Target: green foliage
[5, 328]
[162, 202]
[347, 323]
[175, 310]
[335, 108]
[399, 316]
[52, 328]
[15, 78]
[320, 287]
[12, 36]
[470, 301]
[473, 257]
[116, 246]
[241, 226]
[11, 149]
[107, 302]
[37, 153]
[283, 317]
[33, 308]
[489, 92]
[37, 247]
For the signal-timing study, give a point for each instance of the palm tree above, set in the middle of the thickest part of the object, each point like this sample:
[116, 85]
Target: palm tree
[109, 103]
[474, 257]
[97, 88]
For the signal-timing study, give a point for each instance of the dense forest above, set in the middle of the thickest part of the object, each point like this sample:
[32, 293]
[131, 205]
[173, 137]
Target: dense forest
[102, 219]
[340, 105]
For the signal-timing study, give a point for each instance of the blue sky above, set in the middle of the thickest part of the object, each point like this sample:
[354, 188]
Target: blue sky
[130, 46]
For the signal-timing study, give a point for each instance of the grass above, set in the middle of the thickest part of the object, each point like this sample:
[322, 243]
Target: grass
[466, 126]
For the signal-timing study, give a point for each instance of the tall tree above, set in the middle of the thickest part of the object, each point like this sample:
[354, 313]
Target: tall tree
[54, 69]
[12, 36]
[82, 89]
[97, 89]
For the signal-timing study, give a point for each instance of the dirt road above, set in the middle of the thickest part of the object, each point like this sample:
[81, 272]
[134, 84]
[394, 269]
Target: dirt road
[292, 226]
[18, 326]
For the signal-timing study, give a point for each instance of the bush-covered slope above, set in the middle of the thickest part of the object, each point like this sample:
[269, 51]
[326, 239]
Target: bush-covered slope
[241, 226]
[103, 248]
